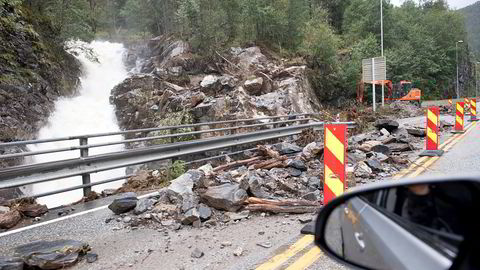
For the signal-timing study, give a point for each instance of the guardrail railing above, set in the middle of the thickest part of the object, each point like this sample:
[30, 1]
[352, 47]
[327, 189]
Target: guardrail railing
[85, 165]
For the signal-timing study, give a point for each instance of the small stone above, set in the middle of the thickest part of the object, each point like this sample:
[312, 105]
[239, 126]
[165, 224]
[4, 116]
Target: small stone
[294, 172]
[197, 253]
[262, 214]
[261, 233]
[108, 220]
[304, 220]
[4, 209]
[385, 132]
[9, 219]
[204, 211]
[297, 164]
[238, 216]
[148, 216]
[238, 252]
[265, 244]
[197, 224]
[33, 210]
[91, 257]
[124, 204]
[143, 205]
[225, 244]
[127, 219]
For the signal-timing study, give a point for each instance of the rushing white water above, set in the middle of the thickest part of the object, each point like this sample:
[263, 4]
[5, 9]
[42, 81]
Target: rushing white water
[89, 112]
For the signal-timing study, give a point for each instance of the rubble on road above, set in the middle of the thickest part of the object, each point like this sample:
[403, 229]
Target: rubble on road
[56, 254]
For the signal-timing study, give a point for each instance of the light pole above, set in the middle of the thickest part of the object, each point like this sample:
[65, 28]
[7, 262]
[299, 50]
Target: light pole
[381, 38]
[476, 79]
[456, 53]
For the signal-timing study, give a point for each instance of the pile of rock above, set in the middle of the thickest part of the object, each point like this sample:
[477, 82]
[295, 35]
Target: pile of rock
[12, 214]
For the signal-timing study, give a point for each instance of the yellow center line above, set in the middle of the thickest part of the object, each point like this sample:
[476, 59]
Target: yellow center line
[307, 259]
[287, 254]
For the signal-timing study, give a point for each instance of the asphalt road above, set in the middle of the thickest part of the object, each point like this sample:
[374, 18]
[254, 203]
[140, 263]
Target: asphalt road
[121, 248]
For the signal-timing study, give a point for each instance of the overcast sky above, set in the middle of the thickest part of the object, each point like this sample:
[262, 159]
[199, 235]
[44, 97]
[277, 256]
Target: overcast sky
[456, 4]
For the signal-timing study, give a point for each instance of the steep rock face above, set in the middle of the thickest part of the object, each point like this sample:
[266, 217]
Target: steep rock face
[176, 87]
[34, 71]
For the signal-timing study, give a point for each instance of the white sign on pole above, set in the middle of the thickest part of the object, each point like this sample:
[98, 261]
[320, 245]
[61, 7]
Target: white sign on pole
[374, 69]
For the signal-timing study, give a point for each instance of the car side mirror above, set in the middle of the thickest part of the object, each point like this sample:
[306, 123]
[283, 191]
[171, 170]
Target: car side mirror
[408, 224]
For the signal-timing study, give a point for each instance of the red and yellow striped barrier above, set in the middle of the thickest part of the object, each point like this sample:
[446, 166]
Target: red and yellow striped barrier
[459, 117]
[473, 109]
[467, 104]
[450, 102]
[433, 120]
[334, 161]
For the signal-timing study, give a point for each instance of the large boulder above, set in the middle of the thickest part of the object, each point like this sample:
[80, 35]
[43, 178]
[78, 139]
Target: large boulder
[9, 219]
[183, 185]
[287, 148]
[389, 125]
[229, 197]
[51, 254]
[125, 203]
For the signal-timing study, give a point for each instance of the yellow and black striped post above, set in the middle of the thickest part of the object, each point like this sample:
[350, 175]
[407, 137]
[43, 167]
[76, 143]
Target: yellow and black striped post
[335, 154]
[459, 118]
[473, 109]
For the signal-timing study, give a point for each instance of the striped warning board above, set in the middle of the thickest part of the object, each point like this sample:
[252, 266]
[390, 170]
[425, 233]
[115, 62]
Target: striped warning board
[473, 109]
[459, 116]
[433, 120]
[467, 104]
[334, 161]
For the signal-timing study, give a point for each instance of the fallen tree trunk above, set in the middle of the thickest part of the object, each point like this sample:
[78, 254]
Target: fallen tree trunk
[237, 163]
[281, 209]
[254, 200]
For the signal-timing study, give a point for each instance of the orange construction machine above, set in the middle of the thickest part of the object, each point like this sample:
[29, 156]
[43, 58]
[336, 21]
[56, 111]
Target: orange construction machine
[403, 90]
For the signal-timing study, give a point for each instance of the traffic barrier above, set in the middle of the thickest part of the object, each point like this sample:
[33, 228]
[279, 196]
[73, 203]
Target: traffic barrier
[433, 133]
[459, 119]
[334, 161]
[473, 109]
[467, 105]
[450, 102]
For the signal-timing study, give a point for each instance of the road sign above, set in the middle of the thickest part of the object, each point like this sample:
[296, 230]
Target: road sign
[374, 66]
[374, 69]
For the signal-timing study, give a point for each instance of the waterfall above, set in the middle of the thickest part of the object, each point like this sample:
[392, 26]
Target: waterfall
[87, 113]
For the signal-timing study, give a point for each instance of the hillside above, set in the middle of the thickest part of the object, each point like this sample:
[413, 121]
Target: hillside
[472, 14]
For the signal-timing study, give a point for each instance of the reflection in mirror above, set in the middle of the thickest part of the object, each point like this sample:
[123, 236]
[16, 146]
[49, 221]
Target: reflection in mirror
[409, 227]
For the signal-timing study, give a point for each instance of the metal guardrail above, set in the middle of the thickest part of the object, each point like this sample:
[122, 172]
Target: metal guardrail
[85, 165]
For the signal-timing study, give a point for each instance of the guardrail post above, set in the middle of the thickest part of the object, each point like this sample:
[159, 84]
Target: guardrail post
[85, 177]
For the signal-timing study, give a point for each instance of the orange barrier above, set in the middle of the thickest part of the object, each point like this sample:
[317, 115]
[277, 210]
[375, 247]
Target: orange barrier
[433, 132]
[459, 119]
[473, 109]
[334, 161]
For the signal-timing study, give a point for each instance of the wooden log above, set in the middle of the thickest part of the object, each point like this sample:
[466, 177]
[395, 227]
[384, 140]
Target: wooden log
[254, 200]
[281, 209]
[266, 151]
[236, 163]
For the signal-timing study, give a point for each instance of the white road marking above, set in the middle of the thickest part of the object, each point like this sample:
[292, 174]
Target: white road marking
[65, 217]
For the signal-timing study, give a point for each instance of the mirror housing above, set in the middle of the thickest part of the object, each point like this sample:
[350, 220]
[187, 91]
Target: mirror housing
[356, 241]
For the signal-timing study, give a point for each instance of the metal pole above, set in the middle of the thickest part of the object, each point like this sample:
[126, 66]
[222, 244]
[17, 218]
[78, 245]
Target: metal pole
[373, 85]
[85, 177]
[381, 34]
[456, 53]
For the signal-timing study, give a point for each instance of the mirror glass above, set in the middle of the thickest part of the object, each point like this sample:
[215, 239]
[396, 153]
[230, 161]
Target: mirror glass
[408, 227]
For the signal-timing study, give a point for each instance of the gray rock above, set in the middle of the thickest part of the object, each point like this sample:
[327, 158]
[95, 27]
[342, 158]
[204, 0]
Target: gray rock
[143, 205]
[91, 257]
[297, 164]
[312, 196]
[389, 125]
[229, 197]
[287, 148]
[33, 210]
[204, 212]
[189, 202]
[197, 224]
[123, 205]
[191, 216]
[384, 132]
[11, 263]
[312, 149]
[314, 183]
[417, 132]
[381, 157]
[237, 216]
[357, 156]
[225, 244]
[374, 164]
[197, 253]
[184, 183]
[305, 220]
[127, 219]
[255, 185]
[361, 169]
[402, 135]
[399, 147]
[51, 254]
[209, 81]
[238, 252]
[294, 172]
[382, 149]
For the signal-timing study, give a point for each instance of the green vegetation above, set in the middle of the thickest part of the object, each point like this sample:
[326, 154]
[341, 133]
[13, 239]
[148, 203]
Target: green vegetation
[472, 23]
[333, 36]
[177, 169]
